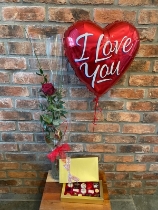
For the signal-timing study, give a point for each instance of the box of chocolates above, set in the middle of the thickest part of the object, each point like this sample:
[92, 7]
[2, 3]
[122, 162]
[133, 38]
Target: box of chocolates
[80, 178]
[83, 192]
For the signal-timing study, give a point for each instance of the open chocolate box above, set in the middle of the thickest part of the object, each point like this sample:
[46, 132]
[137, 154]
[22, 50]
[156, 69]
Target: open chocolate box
[80, 178]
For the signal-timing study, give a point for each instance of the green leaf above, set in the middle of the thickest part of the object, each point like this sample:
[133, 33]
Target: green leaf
[38, 74]
[41, 71]
[47, 118]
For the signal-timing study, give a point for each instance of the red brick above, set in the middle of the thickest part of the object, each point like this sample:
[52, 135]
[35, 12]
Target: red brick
[143, 191]
[118, 139]
[24, 190]
[4, 190]
[91, 2]
[27, 104]
[9, 166]
[118, 158]
[76, 147]
[26, 48]
[100, 148]
[10, 182]
[22, 174]
[11, 31]
[150, 117]
[39, 32]
[46, 1]
[134, 148]
[147, 34]
[147, 158]
[104, 127]
[155, 149]
[127, 93]
[78, 127]
[106, 167]
[20, 157]
[12, 63]
[85, 138]
[10, 1]
[111, 15]
[26, 78]
[2, 48]
[117, 176]
[35, 166]
[34, 147]
[8, 147]
[15, 115]
[139, 66]
[148, 139]
[45, 63]
[29, 126]
[134, 3]
[109, 105]
[80, 92]
[149, 51]
[2, 174]
[139, 128]
[151, 184]
[25, 13]
[153, 93]
[38, 183]
[7, 126]
[77, 105]
[148, 16]
[4, 77]
[131, 167]
[145, 176]
[6, 103]
[17, 137]
[139, 106]
[117, 191]
[1, 157]
[143, 80]
[124, 184]
[122, 117]
[86, 116]
[67, 14]
[155, 68]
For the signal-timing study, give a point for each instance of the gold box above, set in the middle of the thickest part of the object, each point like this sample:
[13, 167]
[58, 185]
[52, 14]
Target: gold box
[86, 170]
[82, 199]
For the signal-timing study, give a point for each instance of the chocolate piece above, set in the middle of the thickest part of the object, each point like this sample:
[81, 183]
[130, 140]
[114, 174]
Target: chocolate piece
[83, 185]
[76, 190]
[70, 184]
[96, 185]
[76, 185]
[83, 191]
[91, 191]
[96, 190]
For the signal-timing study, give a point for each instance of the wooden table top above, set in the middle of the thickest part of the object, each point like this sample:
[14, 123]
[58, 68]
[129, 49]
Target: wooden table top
[51, 197]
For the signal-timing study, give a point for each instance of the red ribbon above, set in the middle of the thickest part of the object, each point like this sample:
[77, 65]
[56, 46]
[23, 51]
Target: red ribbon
[96, 100]
[59, 151]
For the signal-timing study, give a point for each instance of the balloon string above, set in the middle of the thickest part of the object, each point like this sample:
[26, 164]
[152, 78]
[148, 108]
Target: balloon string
[96, 100]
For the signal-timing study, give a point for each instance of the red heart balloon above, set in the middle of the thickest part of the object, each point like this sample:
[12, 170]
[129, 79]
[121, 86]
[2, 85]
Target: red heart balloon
[100, 56]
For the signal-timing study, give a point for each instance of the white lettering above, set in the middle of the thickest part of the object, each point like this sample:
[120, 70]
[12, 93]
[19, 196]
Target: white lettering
[84, 46]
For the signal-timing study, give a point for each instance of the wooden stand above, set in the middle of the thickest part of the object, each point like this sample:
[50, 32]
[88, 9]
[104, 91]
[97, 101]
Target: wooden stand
[51, 197]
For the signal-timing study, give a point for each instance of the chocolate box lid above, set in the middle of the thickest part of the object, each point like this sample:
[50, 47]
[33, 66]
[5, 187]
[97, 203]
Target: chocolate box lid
[78, 170]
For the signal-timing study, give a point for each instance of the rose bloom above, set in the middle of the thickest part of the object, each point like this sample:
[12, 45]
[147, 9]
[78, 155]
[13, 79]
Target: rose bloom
[48, 89]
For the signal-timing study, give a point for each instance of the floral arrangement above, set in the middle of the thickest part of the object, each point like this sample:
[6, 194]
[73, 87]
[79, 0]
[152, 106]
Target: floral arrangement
[53, 116]
[53, 110]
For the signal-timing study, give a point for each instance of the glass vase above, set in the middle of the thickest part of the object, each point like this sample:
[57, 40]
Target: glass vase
[55, 169]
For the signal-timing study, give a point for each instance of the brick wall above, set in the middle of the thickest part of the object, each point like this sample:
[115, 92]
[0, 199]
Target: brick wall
[125, 137]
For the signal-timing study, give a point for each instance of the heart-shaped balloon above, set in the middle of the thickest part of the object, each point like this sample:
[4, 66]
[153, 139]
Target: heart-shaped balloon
[100, 56]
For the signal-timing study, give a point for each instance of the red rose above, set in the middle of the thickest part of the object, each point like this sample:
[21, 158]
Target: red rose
[48, 89]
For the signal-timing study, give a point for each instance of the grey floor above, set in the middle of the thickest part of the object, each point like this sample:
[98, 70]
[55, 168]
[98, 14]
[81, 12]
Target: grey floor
[27, 202]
